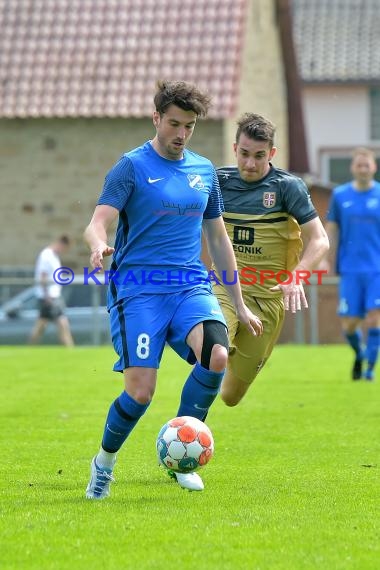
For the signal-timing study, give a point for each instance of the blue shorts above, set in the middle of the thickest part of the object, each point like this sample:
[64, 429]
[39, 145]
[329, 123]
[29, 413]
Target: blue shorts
[141, 325]
[358, 294]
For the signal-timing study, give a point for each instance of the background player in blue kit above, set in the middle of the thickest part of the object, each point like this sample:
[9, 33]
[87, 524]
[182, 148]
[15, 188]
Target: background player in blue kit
[163, 195]
[353, 227]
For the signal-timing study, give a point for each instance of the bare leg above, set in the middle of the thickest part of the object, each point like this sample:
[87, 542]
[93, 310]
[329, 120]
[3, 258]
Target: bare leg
[37, 331]
[350, 324]
[233, 389]
[64, 331]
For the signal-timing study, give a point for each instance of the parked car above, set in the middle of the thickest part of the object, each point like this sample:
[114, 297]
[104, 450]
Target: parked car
[85, 309]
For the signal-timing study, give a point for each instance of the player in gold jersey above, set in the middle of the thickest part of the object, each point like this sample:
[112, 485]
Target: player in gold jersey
[276, 234]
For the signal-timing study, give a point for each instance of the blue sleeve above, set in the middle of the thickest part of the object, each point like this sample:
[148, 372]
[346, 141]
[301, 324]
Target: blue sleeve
[332, 212]
[118, 185]
[215, 205]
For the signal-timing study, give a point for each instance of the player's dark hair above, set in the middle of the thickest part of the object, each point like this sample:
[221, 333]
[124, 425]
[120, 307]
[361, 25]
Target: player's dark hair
[184, 95]
[256, 127]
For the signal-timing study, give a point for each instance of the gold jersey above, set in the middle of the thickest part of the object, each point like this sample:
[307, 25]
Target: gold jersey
[263, 221]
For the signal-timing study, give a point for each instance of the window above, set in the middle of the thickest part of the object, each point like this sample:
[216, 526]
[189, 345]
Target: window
[339, 169]
[335, 166]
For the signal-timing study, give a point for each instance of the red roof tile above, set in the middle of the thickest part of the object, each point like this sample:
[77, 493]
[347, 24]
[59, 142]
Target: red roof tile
[97, 58]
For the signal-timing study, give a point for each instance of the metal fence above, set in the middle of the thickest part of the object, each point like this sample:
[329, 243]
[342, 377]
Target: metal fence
[86, 298]
[305, 330]
[308, 325]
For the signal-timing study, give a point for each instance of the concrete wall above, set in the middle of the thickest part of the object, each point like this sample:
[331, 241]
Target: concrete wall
[52, 172]
[336, 117]
[262, 87]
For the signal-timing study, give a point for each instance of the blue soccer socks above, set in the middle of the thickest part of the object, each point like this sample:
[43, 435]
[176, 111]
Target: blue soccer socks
[123, 415]
[373, 346]
[372, 352]
[355, 341]
[199, 392]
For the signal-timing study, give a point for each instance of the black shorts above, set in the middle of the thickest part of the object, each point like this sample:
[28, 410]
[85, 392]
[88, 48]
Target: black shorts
[51, 309]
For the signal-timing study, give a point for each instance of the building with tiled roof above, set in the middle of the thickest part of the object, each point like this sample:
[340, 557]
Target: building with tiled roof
[80, 58]
[337, 40]
[338, 53]
[338, 56]
[77, 79]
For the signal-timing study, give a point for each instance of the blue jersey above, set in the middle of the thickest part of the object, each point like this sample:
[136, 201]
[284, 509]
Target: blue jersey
[161, 206]
[357, 214]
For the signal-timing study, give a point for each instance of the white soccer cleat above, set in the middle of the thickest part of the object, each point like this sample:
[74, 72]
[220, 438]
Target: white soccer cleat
[99, 485]
[190, 481]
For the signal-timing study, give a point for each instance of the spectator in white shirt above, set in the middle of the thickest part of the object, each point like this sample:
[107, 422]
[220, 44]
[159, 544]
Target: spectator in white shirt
[51, 304]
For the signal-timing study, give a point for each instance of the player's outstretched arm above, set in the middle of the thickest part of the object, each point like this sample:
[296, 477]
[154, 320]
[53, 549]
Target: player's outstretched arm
[95, 235]
[221, 252]
[316, 245]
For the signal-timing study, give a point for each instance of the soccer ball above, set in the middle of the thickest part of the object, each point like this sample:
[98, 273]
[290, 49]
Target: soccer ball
[184, 444]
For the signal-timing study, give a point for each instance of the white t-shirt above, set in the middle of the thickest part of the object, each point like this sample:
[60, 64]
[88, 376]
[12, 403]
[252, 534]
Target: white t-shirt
[47, 262]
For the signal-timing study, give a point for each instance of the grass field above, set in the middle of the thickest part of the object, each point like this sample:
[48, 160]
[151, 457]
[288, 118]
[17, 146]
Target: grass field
[294, 483]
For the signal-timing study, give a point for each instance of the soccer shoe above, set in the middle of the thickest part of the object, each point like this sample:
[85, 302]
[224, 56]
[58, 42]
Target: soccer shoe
[357, 369]
[190, 481]
[99, 485]
[369, 375]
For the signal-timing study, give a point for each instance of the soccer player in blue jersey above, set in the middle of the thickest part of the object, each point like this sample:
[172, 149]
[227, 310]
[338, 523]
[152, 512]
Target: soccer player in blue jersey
[163, 195]
[353, 227]
[274, 228]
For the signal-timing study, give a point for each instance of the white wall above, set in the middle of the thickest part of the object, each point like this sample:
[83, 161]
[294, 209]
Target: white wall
[336, 117]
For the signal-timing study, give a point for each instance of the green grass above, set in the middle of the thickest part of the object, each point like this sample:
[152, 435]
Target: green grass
[294, 483]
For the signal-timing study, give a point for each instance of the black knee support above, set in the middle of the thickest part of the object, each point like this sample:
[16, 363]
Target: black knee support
[214, 332]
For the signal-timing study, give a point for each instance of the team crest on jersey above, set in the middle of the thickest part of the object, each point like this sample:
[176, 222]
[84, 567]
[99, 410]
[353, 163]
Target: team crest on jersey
[195, 181]
[269, 199]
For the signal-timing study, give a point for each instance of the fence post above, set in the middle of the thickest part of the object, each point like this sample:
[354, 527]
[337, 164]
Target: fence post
[313, 308]
[95, 298]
